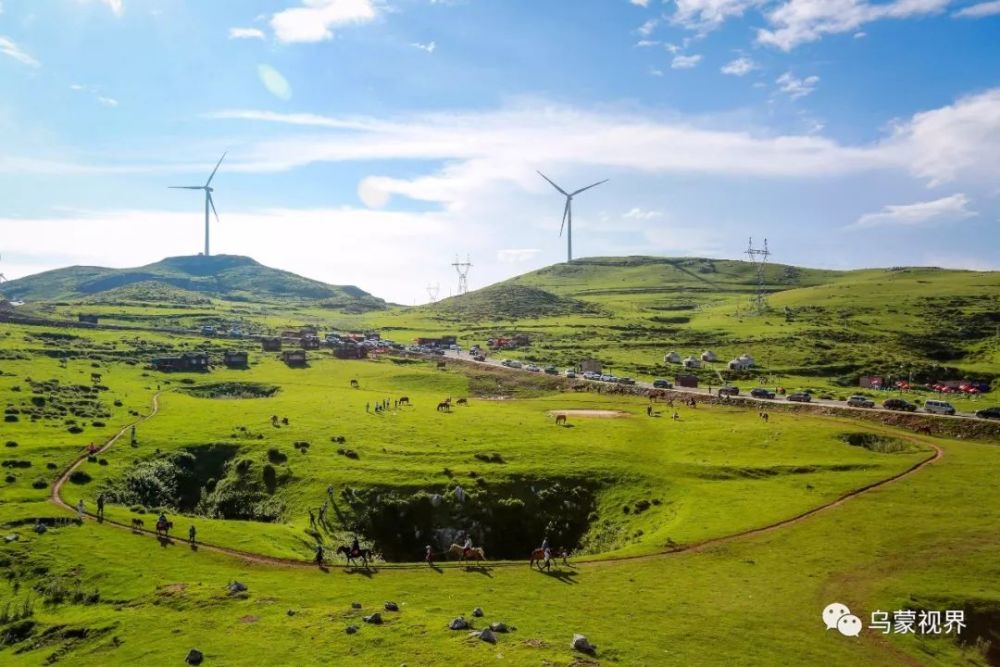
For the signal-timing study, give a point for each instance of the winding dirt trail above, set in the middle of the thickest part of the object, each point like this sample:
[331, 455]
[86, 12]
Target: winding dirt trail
[694, 547]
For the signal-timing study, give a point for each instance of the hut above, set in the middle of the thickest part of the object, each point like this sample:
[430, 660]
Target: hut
[709, 356]
[686, 380]
[294, 358]
[741, 363]
[691, 362]
[349, 350]
[236, 359]
[189, 362]
[310, 342]
[270, 344]
[671, 358]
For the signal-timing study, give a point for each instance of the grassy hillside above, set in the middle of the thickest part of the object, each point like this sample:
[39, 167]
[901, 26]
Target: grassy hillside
[227, 277]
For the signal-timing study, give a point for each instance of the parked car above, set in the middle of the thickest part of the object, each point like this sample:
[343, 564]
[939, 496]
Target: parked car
[551, 370]
[989, 413]
[898, 404]
[729, 391]
[626, 381]
[760, 392]
[511, 363]
[479, 357]
[533, 368]
[570, 373]
[663, 384]
[860, 402]
[939, 407]
[800, 397]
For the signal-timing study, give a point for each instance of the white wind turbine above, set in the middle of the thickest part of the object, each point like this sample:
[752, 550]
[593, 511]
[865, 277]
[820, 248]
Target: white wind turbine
[567, 220]
[208, 197]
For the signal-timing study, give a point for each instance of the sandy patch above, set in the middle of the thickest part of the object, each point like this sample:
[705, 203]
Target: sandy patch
[249, 618]
[600, 414]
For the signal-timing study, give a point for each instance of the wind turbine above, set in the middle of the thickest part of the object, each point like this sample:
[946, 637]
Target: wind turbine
[208, 197]
[567, 220]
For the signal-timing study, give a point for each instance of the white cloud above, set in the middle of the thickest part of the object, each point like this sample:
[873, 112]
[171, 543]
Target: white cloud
[246, 33]
[860, 35]
[107, 101]
[275, 83]
[979, 10]
[707, 14]
[795, 87]
[655, 72]
[739, 67]
[516, 255]
[12, 50]
[685, 62]
[647, 28]
[640, 3]
[797, 22]
[313, 21]
[919, 214]
[647, 42]
[116, 6]
[429, 47]
[103, 100]
[642, 214]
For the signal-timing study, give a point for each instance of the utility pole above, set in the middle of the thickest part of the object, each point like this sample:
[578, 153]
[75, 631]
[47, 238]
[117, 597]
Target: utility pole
[758, 257]
[462, 268]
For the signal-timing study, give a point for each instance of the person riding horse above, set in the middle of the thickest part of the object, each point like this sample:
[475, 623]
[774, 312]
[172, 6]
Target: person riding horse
[355, 548]
[546, 549]
[467, 547]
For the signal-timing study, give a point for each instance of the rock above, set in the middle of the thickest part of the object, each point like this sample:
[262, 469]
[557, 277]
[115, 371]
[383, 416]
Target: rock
[351, 629]
[355, 605]
[581, 644]
[40, 528]
[391, 606]
[499, 627]
[459, 624]
[488, 636]
[478, 612]
[374, 619]
[194, 657]
[236, 587]
[13, 537]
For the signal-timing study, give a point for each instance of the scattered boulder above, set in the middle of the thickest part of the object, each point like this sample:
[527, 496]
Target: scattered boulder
[374, 619]
[236, 587]
[355, 605]
[458, 624]
[351, 629]
[40, 528]
[581, 644]
[194, 657]
[391, 606]
[478, 612]
[499, 627]
[488, 636]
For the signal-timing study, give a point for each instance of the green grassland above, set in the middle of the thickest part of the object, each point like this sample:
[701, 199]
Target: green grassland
[101, 595]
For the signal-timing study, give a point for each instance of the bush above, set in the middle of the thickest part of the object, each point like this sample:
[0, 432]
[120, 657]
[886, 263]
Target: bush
[10, 443]
[51, 466]
[80, 477]
[40, 484]
[275, 455]
[10, 479]
[75, 429]
[10, 418]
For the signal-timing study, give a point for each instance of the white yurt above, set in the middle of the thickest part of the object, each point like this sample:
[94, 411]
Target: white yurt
[671, 358]
[708, 355]
[691, 362]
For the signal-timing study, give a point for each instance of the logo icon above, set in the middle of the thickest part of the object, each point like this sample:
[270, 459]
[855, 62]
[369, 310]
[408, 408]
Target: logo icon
[838, 616]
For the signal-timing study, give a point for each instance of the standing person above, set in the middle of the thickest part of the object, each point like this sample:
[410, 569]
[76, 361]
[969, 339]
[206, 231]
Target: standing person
[319, 554]
[429, 555]
[368, 407]
[100, 505]
[133, 434]
[79, 508]
[312, 519]
[192, 533]
[649, 410]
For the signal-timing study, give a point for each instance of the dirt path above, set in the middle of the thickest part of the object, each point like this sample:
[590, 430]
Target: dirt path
[694, 547]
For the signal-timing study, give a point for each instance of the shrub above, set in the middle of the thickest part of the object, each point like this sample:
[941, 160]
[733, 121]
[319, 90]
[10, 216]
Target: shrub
[40, 483]
[98, 424]
[75, 429]
[10, 479]
[10, 443]
[51, 466]
[80, 477]
[10, 418]
[275, 455]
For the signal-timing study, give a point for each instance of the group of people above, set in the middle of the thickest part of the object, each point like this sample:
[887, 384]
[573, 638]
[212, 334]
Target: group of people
[383, 405]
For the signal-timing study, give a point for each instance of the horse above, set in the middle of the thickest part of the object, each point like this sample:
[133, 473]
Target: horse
[364, 554]
[444, 406]
[163, 528]
[354, 384]
[458, 551]
[462, 401]
[137, 524]
[560, 419]
[404, 400]
[538, 556]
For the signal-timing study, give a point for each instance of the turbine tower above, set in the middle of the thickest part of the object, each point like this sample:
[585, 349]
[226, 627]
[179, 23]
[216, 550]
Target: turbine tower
[567, 220]
[208, 197]
[463, 274]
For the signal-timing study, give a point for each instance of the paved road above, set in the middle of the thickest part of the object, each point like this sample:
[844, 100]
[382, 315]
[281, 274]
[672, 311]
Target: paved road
[699, 391]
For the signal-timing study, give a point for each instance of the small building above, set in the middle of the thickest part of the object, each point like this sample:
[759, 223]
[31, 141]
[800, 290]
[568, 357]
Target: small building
[671, 358]
[310, 342]
[591, 366]
[189, 362]
[691, 362]
[236, 359]
[87, 318]
[709, 356]
[521, 340]
[294, 358]
[272, 344]
[442, 341]
[349, 350]
[686, 380]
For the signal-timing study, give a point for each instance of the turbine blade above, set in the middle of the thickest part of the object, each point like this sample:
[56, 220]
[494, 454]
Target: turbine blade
[565, 215]
[553, 184]
[211, 203]
[588, 187]
[186, 187]
[216, 169]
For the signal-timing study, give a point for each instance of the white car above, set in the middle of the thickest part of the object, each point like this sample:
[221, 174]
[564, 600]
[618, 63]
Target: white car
[533, 368]
[570, 373]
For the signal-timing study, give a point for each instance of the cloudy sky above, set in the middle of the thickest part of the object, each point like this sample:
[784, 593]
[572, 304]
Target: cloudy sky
[372, 141]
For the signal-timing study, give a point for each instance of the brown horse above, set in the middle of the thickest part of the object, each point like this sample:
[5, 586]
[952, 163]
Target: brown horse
[560, 419]
[458, 551]
[163, 528]
[538, 557]
[404, 400]
[444, 406]
[462, 401]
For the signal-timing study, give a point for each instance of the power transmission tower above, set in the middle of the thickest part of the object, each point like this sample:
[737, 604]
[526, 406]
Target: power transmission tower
[462, 268]
[758, 257]
[432, 291]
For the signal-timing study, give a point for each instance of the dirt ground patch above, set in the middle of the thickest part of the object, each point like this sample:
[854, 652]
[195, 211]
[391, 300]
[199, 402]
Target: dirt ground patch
[600, 414]
[249, 618]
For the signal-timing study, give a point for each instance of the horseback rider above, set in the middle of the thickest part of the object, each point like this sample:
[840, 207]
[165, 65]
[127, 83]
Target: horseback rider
[467, 547]
[162, 520]
[355, 548]
[546, 548]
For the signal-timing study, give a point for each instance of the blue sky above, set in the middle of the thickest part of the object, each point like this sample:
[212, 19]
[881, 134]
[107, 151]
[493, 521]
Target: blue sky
[370, 141]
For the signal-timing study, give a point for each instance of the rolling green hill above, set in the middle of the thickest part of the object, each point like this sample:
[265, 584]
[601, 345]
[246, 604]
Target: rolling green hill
[226, 277]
